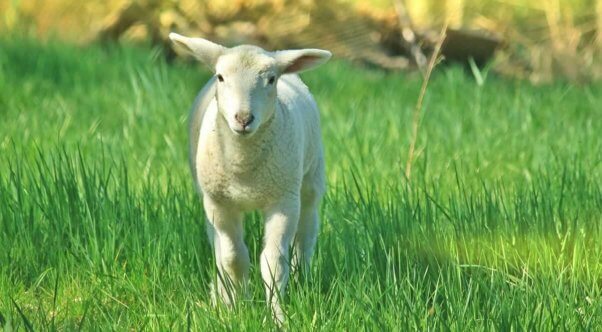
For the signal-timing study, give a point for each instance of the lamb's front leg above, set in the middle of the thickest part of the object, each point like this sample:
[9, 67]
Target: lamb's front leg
[280, 228]
[225, 230]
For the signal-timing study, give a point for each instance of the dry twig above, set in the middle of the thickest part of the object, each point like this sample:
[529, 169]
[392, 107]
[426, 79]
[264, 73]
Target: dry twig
[418, 108]
[408, 35]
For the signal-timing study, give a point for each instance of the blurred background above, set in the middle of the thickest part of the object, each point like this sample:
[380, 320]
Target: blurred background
[541, 41]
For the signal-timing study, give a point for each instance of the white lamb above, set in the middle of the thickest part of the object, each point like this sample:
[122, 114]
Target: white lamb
[255, 143]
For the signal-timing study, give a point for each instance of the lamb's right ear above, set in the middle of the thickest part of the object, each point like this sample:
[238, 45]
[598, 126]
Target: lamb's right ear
[200, 48]
[295, 61]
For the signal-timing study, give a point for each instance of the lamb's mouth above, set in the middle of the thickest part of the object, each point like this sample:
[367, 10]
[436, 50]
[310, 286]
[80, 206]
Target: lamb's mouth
[242, 132]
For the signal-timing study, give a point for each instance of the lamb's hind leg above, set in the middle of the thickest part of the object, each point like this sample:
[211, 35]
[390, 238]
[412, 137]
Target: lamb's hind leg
[307, 231]
[225, 231]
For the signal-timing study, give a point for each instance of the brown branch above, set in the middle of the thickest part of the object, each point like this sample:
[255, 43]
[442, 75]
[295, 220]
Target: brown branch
[406, 28]
[418, 108]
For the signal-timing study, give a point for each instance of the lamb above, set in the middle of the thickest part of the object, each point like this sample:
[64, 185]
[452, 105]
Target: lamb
[255, 144]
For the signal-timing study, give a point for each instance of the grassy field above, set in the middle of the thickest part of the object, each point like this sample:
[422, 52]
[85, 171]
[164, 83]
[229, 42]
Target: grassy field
[100, 227]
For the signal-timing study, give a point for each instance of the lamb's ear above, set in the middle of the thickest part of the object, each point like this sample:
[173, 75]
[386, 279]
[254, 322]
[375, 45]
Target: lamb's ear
[295, 61]
[200, 48]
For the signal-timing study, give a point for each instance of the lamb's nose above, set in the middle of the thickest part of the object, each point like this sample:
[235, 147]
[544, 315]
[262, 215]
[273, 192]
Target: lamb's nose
[244, 119]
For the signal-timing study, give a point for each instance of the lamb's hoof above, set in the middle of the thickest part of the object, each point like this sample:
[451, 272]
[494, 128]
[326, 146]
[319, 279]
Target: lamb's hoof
[213, 294]
[278, 315]
[228, 298]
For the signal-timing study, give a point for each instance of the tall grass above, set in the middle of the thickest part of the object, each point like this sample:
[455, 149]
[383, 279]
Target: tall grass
[100, 227]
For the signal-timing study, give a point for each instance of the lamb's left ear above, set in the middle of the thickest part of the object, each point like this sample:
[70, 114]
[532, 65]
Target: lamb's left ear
[295, 61]
[202, 49]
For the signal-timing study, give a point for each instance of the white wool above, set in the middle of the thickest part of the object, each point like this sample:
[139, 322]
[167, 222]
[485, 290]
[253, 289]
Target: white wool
[256, 145]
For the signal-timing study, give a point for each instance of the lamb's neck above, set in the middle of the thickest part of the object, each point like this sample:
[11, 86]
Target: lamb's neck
[246, 153]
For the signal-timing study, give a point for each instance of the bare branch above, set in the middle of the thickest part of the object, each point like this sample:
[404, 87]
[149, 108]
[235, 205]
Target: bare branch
[418, 108]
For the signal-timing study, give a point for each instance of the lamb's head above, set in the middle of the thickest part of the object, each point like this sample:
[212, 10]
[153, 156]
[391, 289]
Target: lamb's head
[247, 77]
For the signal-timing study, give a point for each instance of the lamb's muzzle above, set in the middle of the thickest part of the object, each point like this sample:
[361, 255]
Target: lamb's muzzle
[244, 119]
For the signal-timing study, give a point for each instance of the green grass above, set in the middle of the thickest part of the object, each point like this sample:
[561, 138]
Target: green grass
[100, 227]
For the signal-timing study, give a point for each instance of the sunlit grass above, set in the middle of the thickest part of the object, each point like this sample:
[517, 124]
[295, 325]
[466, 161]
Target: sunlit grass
[100, 227]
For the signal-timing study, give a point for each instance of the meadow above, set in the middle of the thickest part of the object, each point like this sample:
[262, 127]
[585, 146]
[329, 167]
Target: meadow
[498, 228]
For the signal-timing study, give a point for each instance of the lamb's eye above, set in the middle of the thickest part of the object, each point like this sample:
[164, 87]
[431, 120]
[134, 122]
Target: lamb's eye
[271, 80]
[220, 77]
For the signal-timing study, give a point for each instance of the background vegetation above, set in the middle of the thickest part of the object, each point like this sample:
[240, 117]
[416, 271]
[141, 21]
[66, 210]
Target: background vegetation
[541, 40]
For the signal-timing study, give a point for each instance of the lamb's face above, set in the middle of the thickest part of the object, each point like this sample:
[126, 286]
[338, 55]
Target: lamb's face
[246, 88]
[247, 77]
